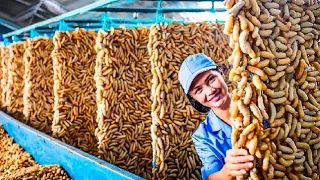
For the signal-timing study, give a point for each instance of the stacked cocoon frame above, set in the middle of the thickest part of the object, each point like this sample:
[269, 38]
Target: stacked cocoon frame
[38, 92]
[123, 81]
[74, 120]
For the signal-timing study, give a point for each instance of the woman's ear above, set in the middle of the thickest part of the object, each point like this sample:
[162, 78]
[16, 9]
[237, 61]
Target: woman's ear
[221, 72]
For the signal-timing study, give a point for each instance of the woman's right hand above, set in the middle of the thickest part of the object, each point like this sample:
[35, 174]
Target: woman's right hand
[237, 162]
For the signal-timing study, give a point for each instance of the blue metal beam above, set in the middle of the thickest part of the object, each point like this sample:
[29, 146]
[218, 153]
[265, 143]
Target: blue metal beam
[9, 24]
[60, 17]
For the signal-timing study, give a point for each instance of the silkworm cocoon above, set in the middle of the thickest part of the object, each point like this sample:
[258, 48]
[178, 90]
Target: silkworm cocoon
[284, 61]
[282, 83]
[285, 149]
[245, 112]
[273, 112]
[277, 76]
[272, 46]
[237, 60]
[228, 4]
[303, 78]
[243, 82]
[274, 94]
[300, 160]
[266, 54]
[294, 21]
[236, 8]
[252, 145]
[274, 134]
[265, 33]
[279, 174]
[243, 22]
[306, 30]
[263, 63]
[311, 15]
[302, 67]
[245, 45]
[271, 5]
[307, 124]
[286, 13]
[282, 26]
[295, 7]
[274, 12]
[258, 83]
[255, 9]
[298, 154]
[302, 145]
[265, 164]
[291, 176]
[309, 157]
[298, 129]
[262, 107]
[280, 135]
[278, 122]
[291, 110]
[255, 110]
[300, 109]
[310, 106]
[269, 25]
[269, 71]
[281, 46]
[254, 20]
[286, 163]
[255, 34]
[296, 38]
[291, 143]
[275, 33]
[313, 100]
[248, 95]
[254, 61]
[257, 71]
[299, 168]
[310, 118]
[279, 100]
[228, 26]
[304, 86]
[293, 127]
[242, 140]
[236, 31]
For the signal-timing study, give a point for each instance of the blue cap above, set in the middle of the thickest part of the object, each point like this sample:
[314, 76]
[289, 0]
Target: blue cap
[192, 66]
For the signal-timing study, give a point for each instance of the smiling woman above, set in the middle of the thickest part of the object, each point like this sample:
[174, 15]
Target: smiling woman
[203, 82]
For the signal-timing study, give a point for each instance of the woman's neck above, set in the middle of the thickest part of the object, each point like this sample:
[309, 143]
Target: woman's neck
[224, 111]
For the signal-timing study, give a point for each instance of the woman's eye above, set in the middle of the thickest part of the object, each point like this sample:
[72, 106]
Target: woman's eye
[211, 79]
[198, 90]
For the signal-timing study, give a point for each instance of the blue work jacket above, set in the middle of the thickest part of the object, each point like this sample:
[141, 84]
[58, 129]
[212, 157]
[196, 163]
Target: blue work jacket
[212, 140]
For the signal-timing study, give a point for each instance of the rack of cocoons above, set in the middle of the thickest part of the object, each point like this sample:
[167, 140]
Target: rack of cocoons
[275, 107]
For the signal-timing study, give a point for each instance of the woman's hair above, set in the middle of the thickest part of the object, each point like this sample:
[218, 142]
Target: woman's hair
[198, 106]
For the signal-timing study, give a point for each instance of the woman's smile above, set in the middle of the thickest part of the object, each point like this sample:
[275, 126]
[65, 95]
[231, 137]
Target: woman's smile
[216, 96]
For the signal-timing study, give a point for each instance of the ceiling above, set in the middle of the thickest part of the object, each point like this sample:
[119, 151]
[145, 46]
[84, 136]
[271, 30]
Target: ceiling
[15, 14]
[20, 13]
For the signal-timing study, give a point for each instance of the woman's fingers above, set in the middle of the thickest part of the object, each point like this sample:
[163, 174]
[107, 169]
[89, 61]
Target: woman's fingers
[235, 173]
[239, 159]
[241, 166]
[237, 152]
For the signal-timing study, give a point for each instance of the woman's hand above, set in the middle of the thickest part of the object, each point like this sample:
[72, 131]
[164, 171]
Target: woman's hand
[237, 162]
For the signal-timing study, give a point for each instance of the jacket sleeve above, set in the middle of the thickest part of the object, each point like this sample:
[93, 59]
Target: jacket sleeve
[210, 162]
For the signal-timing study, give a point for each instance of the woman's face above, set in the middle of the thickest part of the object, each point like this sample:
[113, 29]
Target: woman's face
[210, 89]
